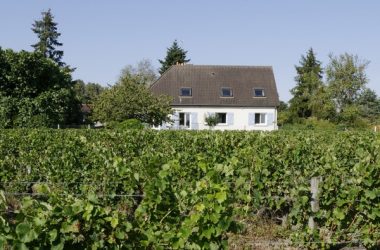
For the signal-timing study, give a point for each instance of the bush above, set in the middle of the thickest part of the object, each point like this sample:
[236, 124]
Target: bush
[127, 124]
[212, 120]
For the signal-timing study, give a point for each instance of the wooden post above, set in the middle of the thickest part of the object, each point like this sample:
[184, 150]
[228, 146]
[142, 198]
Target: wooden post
[314, 183]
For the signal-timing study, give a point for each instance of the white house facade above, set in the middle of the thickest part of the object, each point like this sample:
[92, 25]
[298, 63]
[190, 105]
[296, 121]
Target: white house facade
[241, 97]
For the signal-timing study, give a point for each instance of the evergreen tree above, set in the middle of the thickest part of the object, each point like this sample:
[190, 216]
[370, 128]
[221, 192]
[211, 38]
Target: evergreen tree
[46, 30]
[175, 54]
[309, 82]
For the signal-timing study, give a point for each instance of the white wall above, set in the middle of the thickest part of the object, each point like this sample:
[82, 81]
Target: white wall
[240, 118]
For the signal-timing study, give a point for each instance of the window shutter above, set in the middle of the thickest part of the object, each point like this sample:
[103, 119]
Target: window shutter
[194, 121]
[251, 119]
[270, 119]
[230, 118]
[176, 120]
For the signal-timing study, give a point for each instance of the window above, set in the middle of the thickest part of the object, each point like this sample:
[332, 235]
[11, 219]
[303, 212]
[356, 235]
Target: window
[185, 92]
[260, 118]
[226, 92]
[184, 119]
[222, 118]
[258, 93]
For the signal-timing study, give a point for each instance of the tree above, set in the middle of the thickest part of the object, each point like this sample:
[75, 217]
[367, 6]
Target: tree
[130, 100]
[27, 74]
[35, 91]
[369, 105]
[175, 54]
[46, 30]
[346, 79]
[143, 72]
[87, 93]
[309, 81]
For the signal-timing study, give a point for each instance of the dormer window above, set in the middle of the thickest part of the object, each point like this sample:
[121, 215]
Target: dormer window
[226, 92]
[185, 92]
[258, 92]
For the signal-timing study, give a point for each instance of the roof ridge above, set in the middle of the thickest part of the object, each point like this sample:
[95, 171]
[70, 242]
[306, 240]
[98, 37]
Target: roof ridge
[226, 66]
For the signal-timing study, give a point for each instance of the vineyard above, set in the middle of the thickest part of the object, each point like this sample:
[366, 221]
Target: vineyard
[108, 189]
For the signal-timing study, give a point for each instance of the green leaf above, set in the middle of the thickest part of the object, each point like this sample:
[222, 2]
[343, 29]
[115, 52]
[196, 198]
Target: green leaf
[20, 246]
[208, 232]
[120, 235]
[370, 194]
[58, 246]
[339, 214]
[53, 235]
[221, 196]
[39, 221]
[114, 222]
[136, 176]
[70, 227]
[25, 233]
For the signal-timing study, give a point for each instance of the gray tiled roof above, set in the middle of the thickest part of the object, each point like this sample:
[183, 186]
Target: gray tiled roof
[206, 82]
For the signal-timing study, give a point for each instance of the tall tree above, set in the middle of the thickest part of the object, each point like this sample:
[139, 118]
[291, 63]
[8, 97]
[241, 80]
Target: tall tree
[346, 79]
[34, 91]
[144, 71]
[175, 54]
[309, 81]
[46, 30]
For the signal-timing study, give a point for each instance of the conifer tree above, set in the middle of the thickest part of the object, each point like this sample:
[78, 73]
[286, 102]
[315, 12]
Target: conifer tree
[309, 83]
[175, 54]
[46, 30]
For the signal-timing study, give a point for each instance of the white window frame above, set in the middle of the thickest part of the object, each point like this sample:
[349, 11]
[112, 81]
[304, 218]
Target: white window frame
[258, 96]
[186, 119]
[262, 119]
[226, 96]
[188, 88]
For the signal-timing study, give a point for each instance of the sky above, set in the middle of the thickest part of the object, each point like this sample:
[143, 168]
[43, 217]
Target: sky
[101, 37]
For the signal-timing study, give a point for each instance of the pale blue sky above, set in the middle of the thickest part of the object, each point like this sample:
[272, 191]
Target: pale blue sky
[101, 37]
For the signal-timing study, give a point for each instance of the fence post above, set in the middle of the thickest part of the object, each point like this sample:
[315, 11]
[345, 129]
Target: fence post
[314, 183]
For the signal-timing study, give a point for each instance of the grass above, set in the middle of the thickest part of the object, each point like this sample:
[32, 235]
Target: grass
[261, 233]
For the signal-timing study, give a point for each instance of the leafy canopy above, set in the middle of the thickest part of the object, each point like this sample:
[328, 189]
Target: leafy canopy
[346, 79]
[130, 100]
[34, 91]
[144, 71]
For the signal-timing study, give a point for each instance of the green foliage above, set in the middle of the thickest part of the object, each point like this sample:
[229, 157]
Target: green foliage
[212, 120]
[35, 92]
[46, 30]
[309, 81]
[175, 54]
[127, 124]
[129, 100]
[184, 189]
[87, 93]
[369, 105]
[344, 99]
[64, 223]
[346, 79]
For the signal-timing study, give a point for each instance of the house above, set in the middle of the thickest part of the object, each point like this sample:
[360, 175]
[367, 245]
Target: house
[242, 97]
